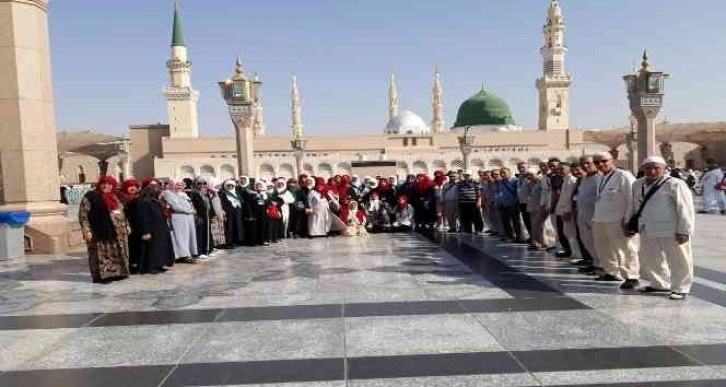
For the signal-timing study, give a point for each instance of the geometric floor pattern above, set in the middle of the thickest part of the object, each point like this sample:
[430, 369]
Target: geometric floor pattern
[389, 310]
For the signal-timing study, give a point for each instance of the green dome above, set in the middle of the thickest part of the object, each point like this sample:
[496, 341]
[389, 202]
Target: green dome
[484, 109]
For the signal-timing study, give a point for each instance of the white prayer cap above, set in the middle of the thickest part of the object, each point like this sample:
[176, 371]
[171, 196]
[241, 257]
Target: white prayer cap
[654, 160]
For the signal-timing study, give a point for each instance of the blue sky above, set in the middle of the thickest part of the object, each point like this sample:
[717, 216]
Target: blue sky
[109, 58]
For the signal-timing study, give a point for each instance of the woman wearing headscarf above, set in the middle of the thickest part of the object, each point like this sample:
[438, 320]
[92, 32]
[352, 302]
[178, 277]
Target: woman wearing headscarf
[301, 206]
[202, 202]
[404, 215]
[105, 231]
[353, 217]
[157, 248]
[319, 215]
[129, 197]
[232, 203]
[218, 215]
[423, 200]
[257, 216]
[182, 222]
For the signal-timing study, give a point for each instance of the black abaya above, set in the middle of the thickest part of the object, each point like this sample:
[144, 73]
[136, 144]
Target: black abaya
[157, 252]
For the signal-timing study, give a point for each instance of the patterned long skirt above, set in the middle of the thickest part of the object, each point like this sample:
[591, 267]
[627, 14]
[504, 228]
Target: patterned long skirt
[108, 259]
[218, 232]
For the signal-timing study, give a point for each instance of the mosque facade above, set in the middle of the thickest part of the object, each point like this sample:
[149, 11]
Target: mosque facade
[414, 144]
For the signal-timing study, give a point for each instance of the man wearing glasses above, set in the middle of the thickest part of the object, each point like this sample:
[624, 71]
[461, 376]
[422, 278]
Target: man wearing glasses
[616, 251]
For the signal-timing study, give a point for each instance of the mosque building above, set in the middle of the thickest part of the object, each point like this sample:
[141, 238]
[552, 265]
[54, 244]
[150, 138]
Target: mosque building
[408, 142]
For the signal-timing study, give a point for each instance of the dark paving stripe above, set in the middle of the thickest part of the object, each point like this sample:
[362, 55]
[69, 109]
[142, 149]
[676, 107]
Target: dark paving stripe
[509, 278]
[383, 367]
[602, 358]
[161, 317]
[292, 312]
[710, 274]
[402, 308]
[709, 294]
[88, 377]
[709, 354]
[278, 371]
[46, 321]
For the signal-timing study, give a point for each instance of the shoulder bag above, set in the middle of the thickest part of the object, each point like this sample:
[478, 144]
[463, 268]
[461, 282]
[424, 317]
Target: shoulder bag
[634, 222]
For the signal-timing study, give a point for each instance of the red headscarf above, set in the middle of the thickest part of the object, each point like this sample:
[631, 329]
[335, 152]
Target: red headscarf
[148, 181]
[110, 198]
[344, 209]
[439, 178]
[402, 202]
[423, 184]
[321, 186]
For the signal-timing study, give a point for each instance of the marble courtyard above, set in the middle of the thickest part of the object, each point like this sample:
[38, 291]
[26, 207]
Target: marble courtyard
[390, 310]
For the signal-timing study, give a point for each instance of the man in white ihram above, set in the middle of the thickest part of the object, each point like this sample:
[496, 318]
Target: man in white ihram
[665, 225]
[712, 196]
[616, 251]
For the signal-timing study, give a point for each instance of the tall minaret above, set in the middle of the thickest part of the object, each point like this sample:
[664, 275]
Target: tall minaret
[258, 121]
[181, 98]
[297, 126]
[392, 98]
[554, 86]
[437, 123]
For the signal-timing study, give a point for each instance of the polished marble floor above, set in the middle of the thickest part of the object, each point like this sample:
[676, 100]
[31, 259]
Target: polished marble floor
[389, 310]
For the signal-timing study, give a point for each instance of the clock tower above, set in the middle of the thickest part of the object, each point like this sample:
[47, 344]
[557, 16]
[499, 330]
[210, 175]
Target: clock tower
[181, 97]
[554, 86]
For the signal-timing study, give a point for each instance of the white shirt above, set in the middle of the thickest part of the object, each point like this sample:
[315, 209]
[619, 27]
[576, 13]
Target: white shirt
[564, 204]
[614, 197]
[670, 211]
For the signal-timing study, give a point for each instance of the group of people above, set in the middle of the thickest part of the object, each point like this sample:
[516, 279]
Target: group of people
[600, 217]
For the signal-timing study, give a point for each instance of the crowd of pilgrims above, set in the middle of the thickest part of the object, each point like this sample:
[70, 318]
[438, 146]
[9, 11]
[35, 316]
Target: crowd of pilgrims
[146, 227]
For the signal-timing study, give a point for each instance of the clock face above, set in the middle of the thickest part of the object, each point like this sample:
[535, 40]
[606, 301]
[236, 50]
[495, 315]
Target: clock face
[238, 91]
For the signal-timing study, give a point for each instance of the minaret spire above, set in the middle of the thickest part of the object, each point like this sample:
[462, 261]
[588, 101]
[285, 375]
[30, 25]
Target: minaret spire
[181, 97]
[554, 86]
[297, 126]
[177, 35]
[437, 103]
[392, 98]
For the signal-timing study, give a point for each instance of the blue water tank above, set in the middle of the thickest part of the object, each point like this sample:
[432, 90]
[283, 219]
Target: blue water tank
[15, 219]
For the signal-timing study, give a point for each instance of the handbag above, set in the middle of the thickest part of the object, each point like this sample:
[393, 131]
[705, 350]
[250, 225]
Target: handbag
[634, 222]
[273, 212]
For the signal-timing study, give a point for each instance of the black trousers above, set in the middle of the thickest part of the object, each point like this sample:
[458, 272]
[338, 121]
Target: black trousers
[586, 256]
[470, 216]
[525, 217]
[561, 237]
[510, 220]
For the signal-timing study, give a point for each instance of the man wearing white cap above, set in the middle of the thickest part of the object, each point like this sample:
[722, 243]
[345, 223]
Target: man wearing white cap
[616, 251]
[665, 224]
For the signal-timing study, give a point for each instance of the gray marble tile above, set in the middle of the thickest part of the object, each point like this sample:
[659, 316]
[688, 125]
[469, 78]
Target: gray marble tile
[361, 281]
[21, 346]
[309, 384]
[496, 380]
[387, 295]
[633, 375]
[522, 331]
[269, 340]
[119, 346]
[679, 326]
[465, 292]
[376, 336]
[635, 301]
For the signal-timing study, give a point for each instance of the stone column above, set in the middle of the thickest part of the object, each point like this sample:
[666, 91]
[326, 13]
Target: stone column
[242, 120]
[647, 144]
[29, 148]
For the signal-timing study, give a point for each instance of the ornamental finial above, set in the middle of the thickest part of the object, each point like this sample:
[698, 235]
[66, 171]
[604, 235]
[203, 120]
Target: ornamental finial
[645, 66]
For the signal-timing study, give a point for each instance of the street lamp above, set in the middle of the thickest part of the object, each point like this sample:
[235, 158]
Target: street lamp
[465, 144]
[241, 93]
[632, 144]
[298, 149]
[646, 89]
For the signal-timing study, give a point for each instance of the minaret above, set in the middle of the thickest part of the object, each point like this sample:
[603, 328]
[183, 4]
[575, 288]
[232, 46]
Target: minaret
[297, 126]
[437, 123]
[554, 86]
[258, 123]
[392, 98]
[181, 98]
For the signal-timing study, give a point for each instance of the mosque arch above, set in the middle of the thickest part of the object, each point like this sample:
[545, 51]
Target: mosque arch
[419, 167]
[207, 171]
[513, 162]
[286, 171]
[438, 165]
[343, 169]
[186, 171]
[266, 171]
[325, 170]
[496, 163]
[477, 164]
[308, 169]
[457, 164]
[226, 172]
[534, 161]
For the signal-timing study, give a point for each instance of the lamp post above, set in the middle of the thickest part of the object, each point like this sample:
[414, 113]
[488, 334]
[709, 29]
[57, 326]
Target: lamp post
[241, 94]
[298, 149]
[465, 144]
[124, 154]
[632, 144]
[646, 89]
